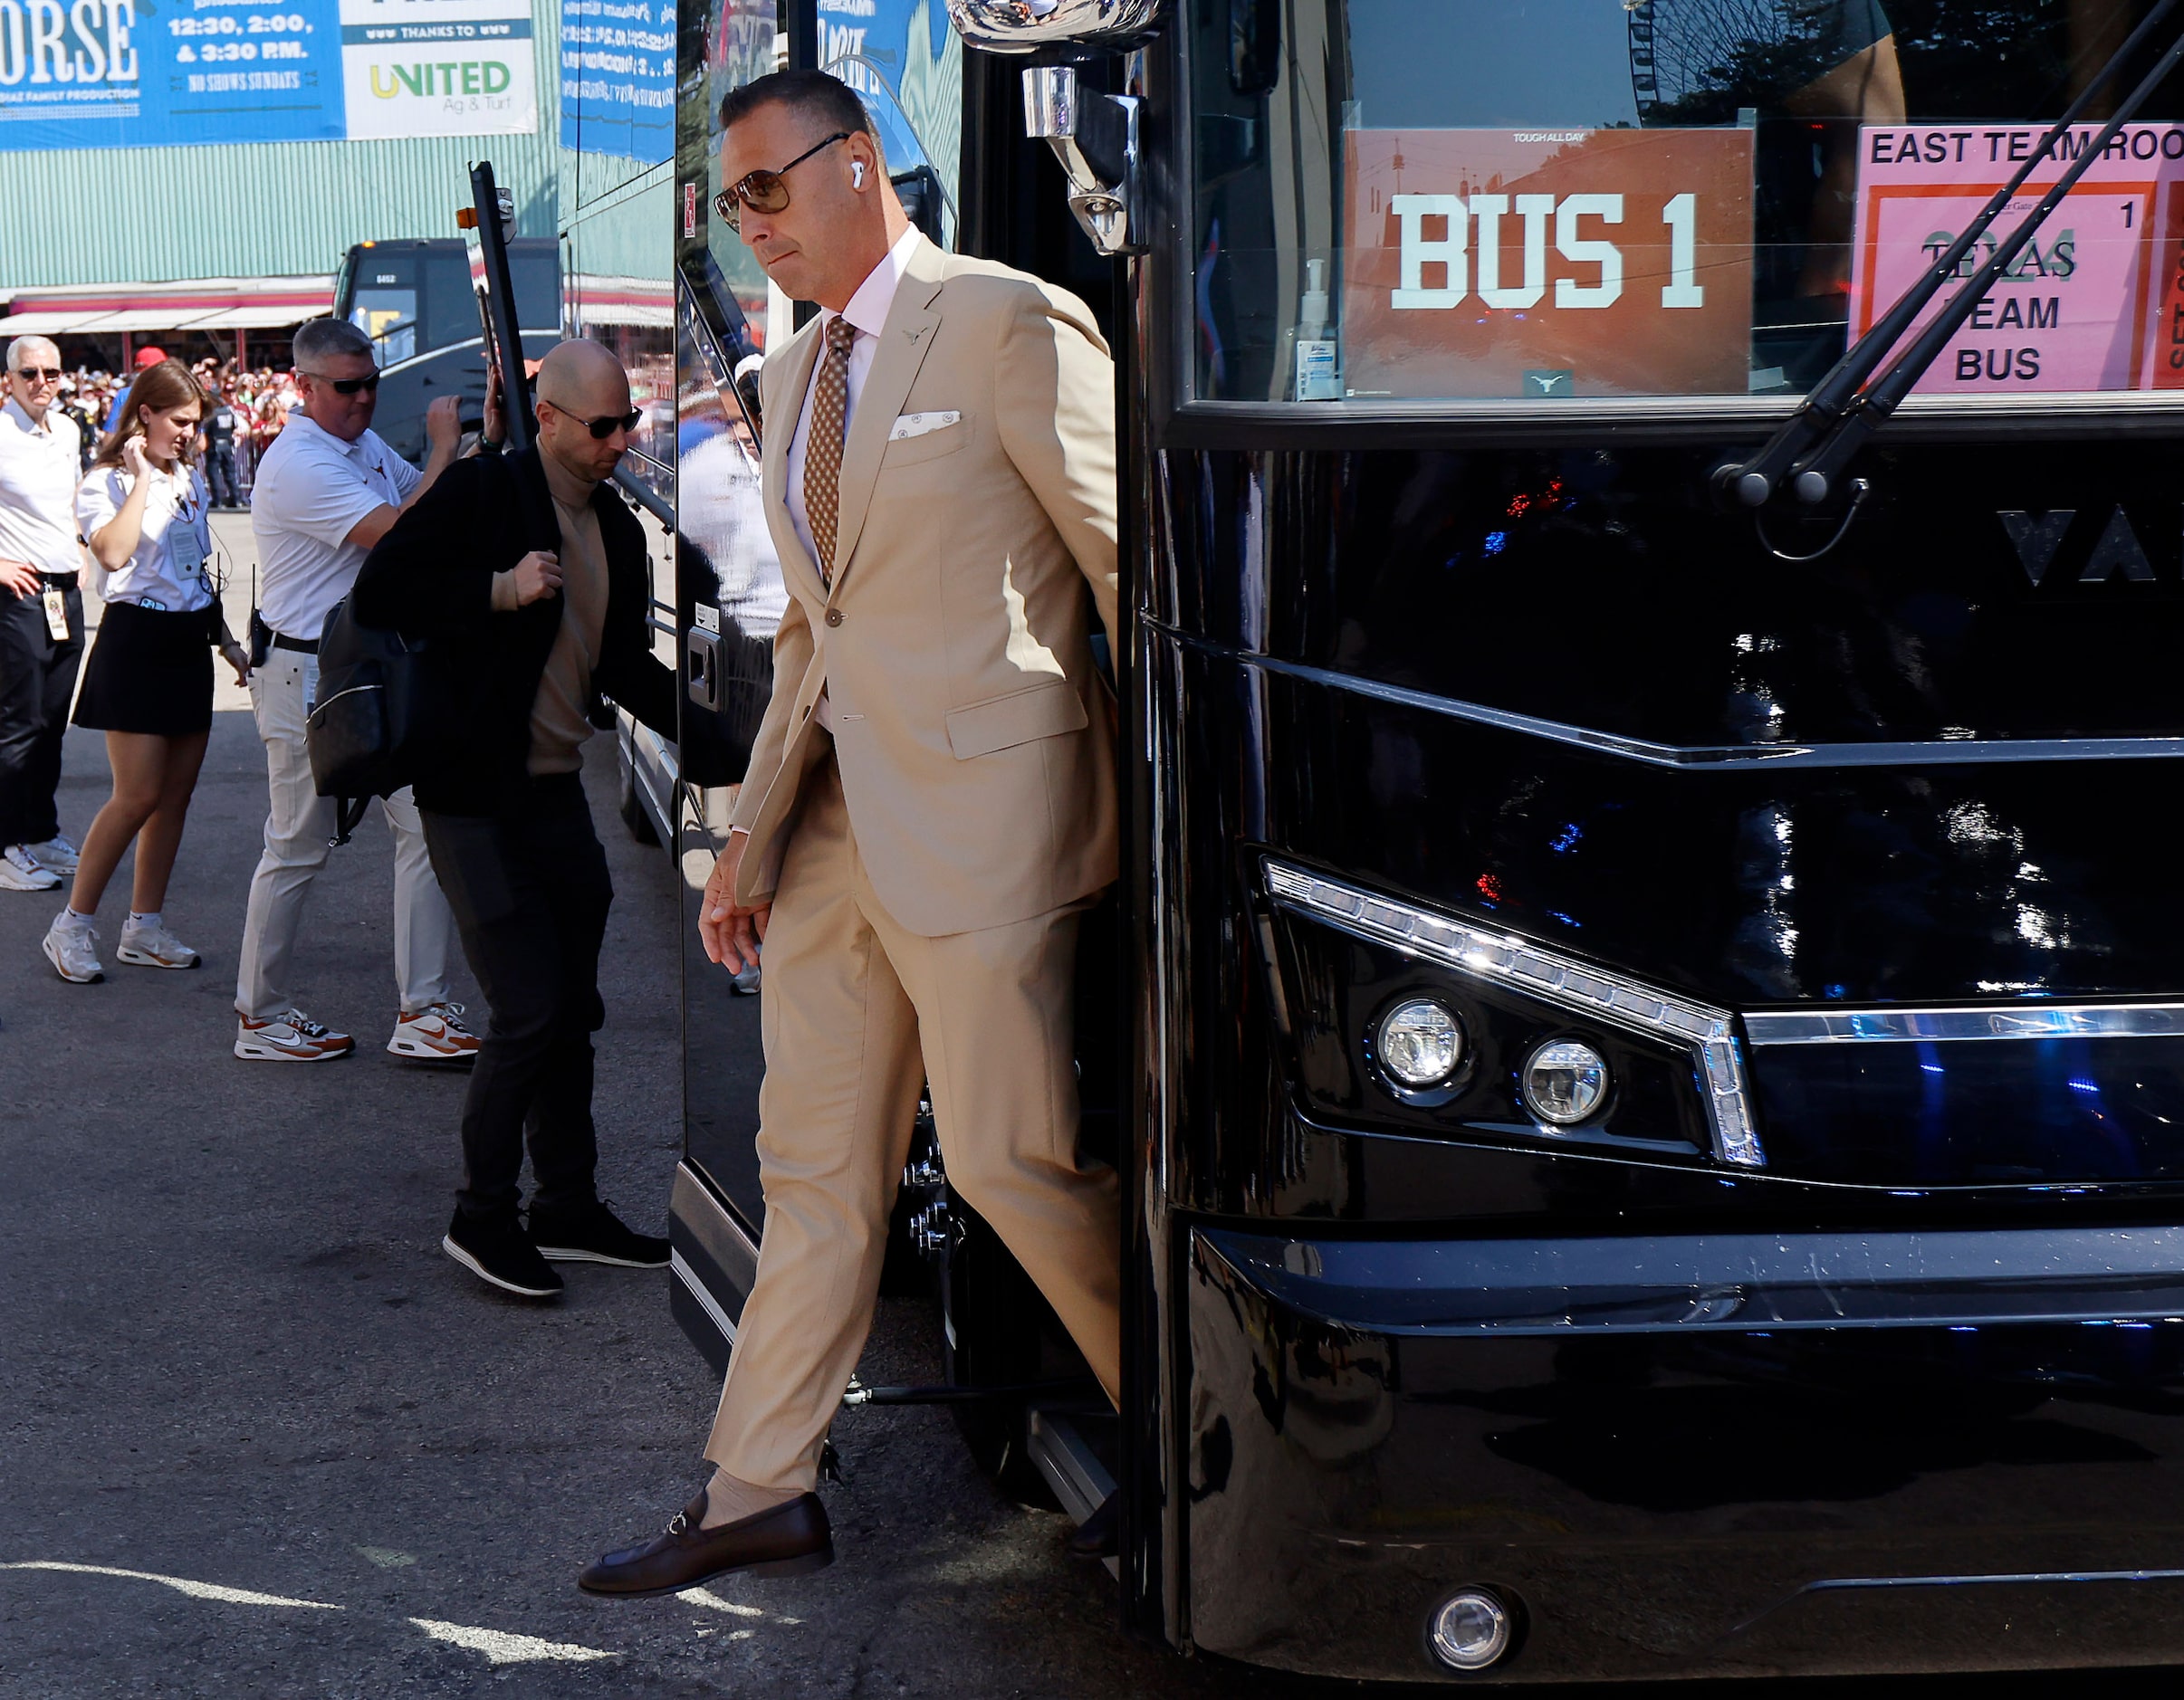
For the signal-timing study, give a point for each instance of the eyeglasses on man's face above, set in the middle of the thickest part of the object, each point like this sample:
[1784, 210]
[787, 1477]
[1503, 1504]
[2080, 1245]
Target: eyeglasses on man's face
[39, 374]
[602, 428]
[343, 386]
[763, 191]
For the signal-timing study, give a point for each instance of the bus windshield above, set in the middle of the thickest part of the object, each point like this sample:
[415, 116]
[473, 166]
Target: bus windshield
[1541, 202]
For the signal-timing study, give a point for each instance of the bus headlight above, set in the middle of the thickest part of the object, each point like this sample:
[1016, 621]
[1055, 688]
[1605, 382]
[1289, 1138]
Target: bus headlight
[1471, 1629]
[1419, 1042]
[1564, 1082]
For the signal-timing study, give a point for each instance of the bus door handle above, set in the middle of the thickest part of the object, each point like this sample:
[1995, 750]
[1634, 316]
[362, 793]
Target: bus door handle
[702, 667]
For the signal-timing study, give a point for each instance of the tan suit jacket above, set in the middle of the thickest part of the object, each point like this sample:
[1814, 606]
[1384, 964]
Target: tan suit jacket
[970, 726]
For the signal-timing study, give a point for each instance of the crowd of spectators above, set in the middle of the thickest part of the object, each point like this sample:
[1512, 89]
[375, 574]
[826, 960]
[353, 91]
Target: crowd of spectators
[257, 401]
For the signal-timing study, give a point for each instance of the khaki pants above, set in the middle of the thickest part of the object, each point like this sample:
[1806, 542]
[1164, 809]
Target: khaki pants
[855, 1012]
[298, 824]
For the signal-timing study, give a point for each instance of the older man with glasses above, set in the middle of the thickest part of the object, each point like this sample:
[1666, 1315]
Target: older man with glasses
[41, 613]
[327, 490]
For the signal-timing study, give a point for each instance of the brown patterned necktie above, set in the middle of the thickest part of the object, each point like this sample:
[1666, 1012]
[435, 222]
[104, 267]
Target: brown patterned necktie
[823, 446]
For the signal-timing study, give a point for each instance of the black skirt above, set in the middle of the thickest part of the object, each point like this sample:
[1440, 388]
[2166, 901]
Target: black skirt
[150, 671]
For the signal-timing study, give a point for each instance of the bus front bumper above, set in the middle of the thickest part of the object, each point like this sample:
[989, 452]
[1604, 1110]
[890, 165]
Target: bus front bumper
[1709, 1454]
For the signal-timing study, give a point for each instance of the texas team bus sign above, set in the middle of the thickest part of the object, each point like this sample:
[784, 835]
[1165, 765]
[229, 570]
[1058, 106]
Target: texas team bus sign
[2095, 299]
[1548, 263]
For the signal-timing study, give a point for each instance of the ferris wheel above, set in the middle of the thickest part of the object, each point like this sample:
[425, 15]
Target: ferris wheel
[1681, 47]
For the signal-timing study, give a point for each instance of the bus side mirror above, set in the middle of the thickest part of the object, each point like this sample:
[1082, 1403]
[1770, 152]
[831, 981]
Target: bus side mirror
[1025, 26]
[1094, 137]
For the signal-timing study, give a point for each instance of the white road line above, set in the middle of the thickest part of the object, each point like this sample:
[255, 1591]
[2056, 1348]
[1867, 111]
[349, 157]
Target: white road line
[707, 1598]
[180, 1584]
[501, 1648]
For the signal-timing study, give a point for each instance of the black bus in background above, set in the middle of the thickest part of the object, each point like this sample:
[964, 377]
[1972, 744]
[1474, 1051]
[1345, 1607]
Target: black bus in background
[416, 299]
[1645, 1022]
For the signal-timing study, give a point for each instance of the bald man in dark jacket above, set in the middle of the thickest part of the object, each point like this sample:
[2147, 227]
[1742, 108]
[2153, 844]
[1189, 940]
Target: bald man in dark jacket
[531, 581]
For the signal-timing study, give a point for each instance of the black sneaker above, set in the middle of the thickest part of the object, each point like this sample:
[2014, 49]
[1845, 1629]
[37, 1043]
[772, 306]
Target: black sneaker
[594, 1234]
[496, 1250]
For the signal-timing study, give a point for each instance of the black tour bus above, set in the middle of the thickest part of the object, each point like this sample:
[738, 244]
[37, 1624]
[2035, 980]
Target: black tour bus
[416, 299]
[1643, 1025]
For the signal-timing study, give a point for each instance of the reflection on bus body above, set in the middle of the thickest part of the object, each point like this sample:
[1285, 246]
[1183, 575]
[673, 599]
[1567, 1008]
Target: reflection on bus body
[724, 515]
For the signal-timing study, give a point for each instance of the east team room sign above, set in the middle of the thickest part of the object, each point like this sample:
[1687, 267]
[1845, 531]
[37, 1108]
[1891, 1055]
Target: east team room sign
[2095, 301]
[1548, 263]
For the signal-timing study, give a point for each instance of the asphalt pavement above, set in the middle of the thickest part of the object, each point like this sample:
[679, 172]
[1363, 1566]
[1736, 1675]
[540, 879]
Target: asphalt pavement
[261, 1437]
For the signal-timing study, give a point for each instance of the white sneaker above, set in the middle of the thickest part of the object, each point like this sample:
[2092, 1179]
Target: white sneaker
[73, 952]
[291, 1036]
[21, 871]
[56, 854]
[435, 1034]
[154, 947]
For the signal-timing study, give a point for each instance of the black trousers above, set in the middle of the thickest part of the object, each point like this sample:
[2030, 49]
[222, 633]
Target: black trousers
[529, 890]
[37, 676]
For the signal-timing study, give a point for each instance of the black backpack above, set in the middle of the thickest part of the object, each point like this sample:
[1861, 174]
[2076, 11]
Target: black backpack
[368, 728]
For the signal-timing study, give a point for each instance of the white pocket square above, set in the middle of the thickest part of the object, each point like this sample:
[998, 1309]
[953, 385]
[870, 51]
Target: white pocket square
[916, 425]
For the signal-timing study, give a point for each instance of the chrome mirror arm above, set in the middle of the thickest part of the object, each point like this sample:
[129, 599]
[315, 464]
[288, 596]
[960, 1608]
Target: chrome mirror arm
[1095, 137]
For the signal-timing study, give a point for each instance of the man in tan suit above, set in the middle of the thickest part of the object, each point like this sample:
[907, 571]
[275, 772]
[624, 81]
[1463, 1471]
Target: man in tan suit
[931, 802]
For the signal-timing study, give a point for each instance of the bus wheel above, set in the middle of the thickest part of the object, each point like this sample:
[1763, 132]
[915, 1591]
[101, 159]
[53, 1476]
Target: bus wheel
[907, 1272]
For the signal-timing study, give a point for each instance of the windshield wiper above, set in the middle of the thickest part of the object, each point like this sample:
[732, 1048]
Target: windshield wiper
[1831, 424]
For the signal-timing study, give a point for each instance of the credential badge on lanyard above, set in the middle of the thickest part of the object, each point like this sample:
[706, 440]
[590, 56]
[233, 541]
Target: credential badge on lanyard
[184, 548]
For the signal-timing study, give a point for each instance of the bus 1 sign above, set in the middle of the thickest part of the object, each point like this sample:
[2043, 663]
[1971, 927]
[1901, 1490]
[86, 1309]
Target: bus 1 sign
[1618, 261]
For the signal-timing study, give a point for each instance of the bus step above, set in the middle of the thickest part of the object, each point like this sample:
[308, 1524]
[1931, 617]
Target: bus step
[1065, 1445]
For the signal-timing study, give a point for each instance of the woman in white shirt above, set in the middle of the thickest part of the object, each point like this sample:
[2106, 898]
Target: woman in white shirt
[148, 684]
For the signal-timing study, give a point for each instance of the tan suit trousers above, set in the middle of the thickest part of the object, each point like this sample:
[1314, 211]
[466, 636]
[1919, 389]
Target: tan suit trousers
[855, 1012]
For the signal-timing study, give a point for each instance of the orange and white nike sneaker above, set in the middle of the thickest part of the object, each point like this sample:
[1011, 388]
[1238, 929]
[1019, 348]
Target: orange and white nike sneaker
[435, 1034]
[291, 1037]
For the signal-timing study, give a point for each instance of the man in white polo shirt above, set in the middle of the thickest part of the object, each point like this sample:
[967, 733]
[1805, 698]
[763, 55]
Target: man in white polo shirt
[327, 490]
[41, 613]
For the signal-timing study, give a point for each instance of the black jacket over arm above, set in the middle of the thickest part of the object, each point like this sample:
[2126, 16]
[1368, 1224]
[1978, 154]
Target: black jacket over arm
[431, 578]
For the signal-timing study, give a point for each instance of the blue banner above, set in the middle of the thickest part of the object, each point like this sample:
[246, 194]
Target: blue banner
[130, 74]
[618, 78]
[906, 63]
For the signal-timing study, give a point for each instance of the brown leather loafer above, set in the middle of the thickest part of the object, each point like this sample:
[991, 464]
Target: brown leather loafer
[788, 1540]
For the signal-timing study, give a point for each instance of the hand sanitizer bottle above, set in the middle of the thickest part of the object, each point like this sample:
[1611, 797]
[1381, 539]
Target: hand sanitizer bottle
[1318, 378]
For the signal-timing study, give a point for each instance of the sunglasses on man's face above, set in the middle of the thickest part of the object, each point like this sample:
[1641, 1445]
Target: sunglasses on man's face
[763, 191]
[39, 374]
[602, 429]
[345, 385]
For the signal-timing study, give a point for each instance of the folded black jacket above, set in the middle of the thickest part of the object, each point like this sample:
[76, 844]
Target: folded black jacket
[431, 578]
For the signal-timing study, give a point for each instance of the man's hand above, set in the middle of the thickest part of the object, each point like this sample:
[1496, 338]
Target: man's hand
[444, 423]
[731, 932]
[537, 575]
[20, 576]
[237, 657]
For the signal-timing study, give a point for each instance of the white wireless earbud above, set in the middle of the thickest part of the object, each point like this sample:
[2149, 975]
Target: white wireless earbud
[856, 173]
